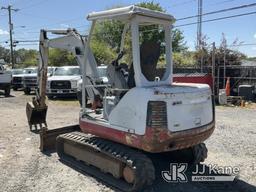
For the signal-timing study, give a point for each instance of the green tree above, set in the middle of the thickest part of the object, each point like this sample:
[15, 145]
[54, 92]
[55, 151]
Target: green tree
[59, 57]
[5, 54]
[108, 34]
[26, 57]
[102, 52]
[178, 41]
[232, 57]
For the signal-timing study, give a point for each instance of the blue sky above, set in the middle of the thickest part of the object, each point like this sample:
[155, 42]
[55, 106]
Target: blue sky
[37, 14]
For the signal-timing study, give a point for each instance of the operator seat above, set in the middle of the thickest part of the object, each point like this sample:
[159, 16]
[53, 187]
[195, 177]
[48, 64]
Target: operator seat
[149, 55]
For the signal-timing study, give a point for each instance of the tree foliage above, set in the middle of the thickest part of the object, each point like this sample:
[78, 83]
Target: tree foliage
[26, 57]
[59, 57]
[223, 53]
[108, 35]
[4, 54]
[102, 52]
[184, 59]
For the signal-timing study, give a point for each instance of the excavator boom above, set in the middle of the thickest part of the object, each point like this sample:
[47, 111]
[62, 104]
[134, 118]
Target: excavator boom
[71, 41]
[37, 109]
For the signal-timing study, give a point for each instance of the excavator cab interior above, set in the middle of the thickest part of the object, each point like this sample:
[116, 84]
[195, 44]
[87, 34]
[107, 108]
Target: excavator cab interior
[152, 61]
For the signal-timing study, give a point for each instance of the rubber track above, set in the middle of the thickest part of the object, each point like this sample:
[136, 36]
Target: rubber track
[139, 162]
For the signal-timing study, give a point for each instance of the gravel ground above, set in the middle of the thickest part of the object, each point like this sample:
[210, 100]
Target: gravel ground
[24, 168]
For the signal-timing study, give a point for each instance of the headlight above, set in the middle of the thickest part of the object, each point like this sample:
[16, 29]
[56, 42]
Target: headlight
[48, 84]
[79, 87]
[73, 84]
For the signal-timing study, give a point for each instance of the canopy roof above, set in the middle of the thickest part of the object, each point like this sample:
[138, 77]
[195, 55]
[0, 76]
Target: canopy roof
[125, 13]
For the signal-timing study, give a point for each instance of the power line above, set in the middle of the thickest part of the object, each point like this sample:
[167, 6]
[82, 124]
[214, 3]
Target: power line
[187, 24]
[184, 18]
[219, 11]
[25, 41]
[217, 19]
[29, 44]
[243, 44]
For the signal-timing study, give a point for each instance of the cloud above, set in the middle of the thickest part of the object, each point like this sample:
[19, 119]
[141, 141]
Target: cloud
[3, 32]
[255, 35]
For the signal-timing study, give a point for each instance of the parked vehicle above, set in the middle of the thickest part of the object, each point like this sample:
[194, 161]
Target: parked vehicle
[5, 81]
[30, 82]
[17, 75]
[102, 72]
[64, 81]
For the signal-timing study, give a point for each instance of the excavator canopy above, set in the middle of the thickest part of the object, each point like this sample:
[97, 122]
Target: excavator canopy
[126, 13]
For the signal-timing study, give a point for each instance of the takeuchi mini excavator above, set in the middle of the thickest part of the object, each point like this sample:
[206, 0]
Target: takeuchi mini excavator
[141, 111]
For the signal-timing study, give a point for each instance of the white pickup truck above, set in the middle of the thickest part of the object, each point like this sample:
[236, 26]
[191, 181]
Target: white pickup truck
[17, 75]
[5, 81]
[64, 81]
[29, 79]
[30, 82]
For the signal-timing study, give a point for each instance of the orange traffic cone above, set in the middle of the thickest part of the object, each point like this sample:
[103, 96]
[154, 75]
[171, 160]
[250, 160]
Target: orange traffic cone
[228, 87]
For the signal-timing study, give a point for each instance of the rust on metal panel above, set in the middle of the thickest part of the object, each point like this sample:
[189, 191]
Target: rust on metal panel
[159, 139]
[155, 140]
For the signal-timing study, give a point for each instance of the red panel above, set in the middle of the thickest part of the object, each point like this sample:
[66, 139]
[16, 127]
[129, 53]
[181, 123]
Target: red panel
[154, 140]
[205, 79]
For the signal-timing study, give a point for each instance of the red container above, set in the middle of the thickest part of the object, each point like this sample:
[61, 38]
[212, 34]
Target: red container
[193, 78]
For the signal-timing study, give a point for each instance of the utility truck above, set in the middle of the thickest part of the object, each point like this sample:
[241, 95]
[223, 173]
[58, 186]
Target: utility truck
[144, 113]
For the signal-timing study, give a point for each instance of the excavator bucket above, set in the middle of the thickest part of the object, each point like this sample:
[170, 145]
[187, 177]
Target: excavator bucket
[36, 116]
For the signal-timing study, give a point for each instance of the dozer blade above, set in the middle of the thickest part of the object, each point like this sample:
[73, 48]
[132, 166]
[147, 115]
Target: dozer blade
[48, 137]
[36, 116]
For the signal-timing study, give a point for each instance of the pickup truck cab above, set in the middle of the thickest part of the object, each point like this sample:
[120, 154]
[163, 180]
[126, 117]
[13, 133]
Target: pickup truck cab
[64, 81]
[17, 75]
[5, 81]
[30, 82]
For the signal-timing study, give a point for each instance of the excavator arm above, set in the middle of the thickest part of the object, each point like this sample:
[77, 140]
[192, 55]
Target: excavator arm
[71, 41]
[36, 110]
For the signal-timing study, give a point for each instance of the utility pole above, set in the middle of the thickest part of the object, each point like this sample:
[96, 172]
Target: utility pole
[10, 9]
[199, 23]
[224, 68]
[213, 68]
[224, 44]
[199, 30]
